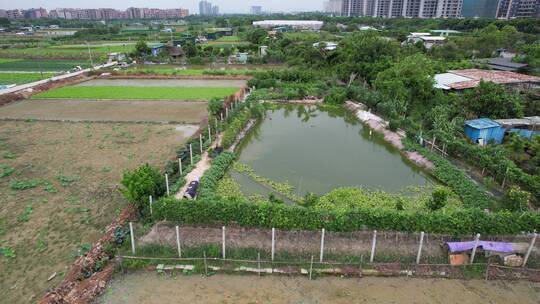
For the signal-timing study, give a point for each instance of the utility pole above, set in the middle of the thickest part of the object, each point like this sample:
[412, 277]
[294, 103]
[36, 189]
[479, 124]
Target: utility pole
[90, 55]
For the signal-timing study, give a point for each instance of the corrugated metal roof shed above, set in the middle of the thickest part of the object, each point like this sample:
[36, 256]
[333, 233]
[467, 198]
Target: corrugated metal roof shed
[525, 121]
[482, 123]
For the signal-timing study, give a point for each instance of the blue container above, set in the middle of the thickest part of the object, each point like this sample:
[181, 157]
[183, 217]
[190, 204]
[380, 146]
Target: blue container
[484, 129]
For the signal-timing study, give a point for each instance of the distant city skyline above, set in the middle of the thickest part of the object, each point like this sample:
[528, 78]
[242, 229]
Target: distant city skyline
[225, 6]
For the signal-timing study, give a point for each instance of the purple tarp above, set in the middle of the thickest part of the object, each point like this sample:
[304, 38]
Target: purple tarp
[485, 245]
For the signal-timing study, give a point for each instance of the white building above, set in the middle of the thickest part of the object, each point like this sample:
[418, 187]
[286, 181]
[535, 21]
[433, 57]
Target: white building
[426, 38]
[295, 24]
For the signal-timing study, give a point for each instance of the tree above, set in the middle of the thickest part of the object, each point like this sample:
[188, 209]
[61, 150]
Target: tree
[4, 22]
[491, 100]
[142, 182]
[190, 49]
[142, 49]
[365, 53]
[256, 35]
[517, 199]
[409, 83]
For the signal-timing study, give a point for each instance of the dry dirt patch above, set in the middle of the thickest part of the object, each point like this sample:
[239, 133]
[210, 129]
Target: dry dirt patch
[145, 288]
[113, 110]
[72, 173]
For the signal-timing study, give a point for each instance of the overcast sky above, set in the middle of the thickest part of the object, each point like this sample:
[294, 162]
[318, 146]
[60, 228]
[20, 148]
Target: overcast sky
[226, 6]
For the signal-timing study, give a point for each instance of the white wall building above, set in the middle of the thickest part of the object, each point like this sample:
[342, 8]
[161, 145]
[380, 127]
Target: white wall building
[295, 24]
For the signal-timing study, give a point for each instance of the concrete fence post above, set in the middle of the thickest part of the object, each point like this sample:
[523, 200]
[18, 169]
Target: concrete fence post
[223, 246]
[167, 184]
[180, 166]
[132, 235]
[178, 242]
[529, 250]
[311, 267]
[419, 255]
[221, 115]
[151, 207]
[216, 125]
[322, 246]
[433, 143]
[273, 242]
[191, 153]
[200, 143]
[209, 133]
[476, 241]
[226, 112]
[373, 245]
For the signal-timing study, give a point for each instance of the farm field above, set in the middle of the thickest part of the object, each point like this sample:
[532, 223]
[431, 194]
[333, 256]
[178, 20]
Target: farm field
[114, 110]
[143, 287]
[20, 78]
[99, 52]
[8, 64]
[137, 93]
[183, 83]
[59, 186]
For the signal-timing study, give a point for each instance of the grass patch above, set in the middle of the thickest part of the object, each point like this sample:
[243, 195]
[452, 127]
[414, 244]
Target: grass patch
[6, 170]
[21, 78]
[138, 93]
[24, 184]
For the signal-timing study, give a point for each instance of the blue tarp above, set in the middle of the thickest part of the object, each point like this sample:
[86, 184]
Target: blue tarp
[485, 245]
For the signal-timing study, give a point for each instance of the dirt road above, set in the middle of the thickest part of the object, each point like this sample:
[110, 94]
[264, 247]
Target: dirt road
[147, 287]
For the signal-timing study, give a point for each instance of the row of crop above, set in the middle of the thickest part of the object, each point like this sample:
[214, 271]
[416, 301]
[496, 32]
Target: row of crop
[470, 193]
[268, 215]
[493, 160]
[235, 127]
[209, 181]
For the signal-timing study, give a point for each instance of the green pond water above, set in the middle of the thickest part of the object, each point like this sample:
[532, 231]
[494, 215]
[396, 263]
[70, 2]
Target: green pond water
[317, 149]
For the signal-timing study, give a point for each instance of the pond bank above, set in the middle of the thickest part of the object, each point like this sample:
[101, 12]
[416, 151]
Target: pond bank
[394, 138]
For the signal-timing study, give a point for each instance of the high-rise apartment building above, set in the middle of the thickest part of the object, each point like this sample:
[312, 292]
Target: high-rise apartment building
[509, 9]
[207, 9]
[479, 8]
[402, 8]
[256, 10]
[333, 7]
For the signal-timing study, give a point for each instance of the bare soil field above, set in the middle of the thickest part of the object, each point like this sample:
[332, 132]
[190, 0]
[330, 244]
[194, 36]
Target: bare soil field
[59, 189]
[147, 287]
[188, 83]
[106, 110]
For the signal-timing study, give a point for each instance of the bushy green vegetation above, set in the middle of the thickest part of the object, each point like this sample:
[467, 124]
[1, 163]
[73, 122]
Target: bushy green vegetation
[235, 127]
[142, 182]
[99, 52]
[268, 215]
[141, 93]
[210, 180]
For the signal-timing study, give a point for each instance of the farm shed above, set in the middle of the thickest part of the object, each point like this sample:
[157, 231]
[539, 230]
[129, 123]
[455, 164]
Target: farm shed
[156, 48]
[484, 130]
[459, 80]
[525, 127]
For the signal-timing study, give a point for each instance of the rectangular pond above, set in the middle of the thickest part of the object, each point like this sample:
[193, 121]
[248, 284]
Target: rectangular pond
[317, 149]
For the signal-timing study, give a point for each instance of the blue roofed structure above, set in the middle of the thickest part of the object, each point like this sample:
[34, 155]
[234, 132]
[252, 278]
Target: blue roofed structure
[484, 130]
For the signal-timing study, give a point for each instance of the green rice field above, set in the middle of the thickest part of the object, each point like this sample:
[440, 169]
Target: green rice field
[137, 93]
[189, 72]
[21, 78]
[9, 64]
[99, 52]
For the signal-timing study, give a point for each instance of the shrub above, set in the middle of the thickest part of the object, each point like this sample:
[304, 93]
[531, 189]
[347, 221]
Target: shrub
[236, 126]
[215, 106]
[336, 96]
[209, 181]
[438, 199]
[283, 216]
[517, 199]
[142, 182]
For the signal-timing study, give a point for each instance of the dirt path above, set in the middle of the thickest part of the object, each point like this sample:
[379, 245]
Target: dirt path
[202, 166]
[146, 287]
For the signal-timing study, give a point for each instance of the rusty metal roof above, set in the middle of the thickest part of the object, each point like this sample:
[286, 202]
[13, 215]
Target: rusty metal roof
[500, 77]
